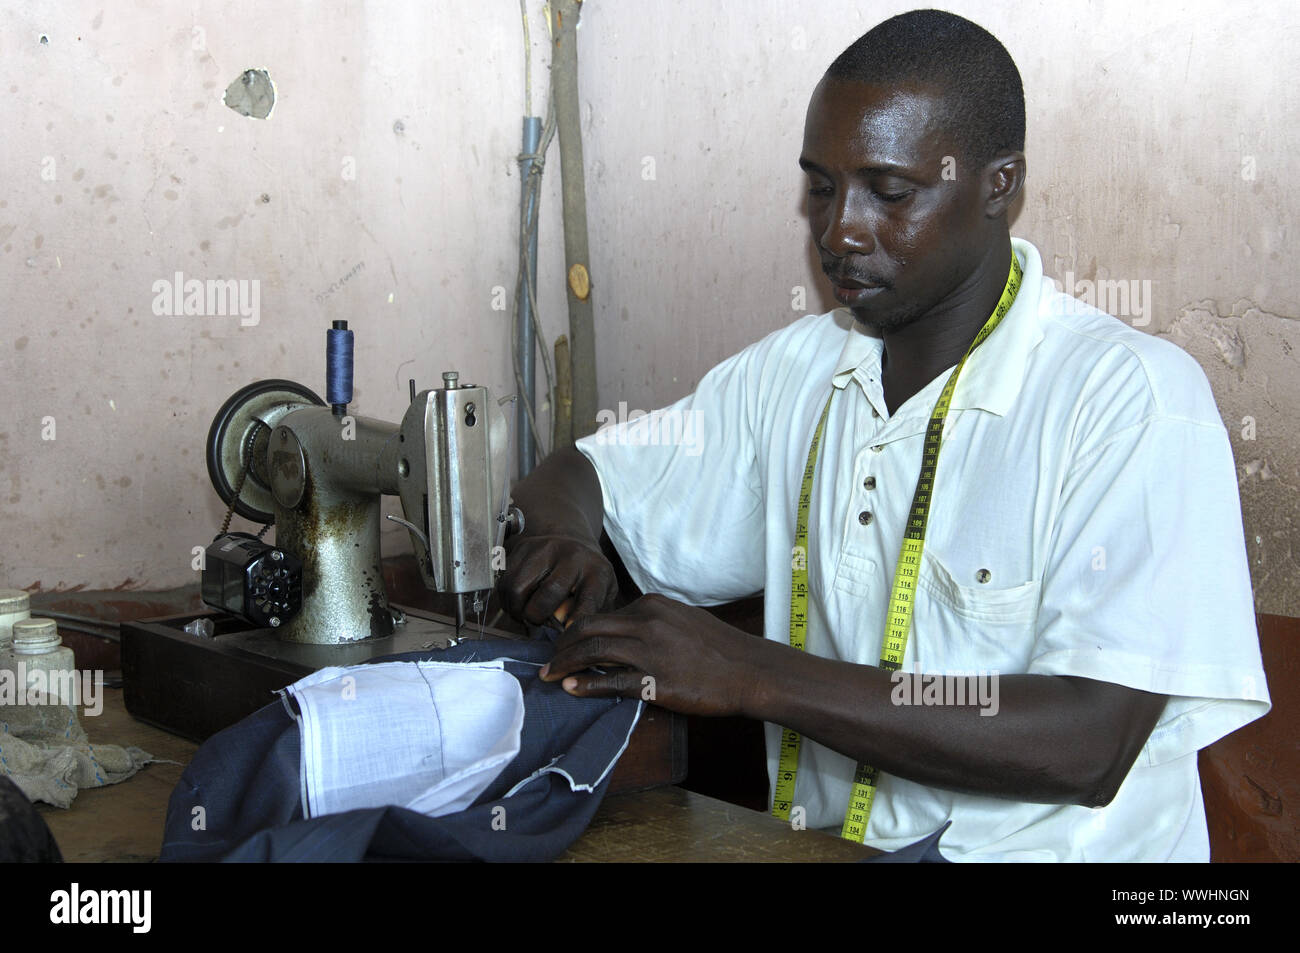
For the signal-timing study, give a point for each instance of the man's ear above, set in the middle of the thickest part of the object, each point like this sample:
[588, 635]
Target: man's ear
[1004, 176]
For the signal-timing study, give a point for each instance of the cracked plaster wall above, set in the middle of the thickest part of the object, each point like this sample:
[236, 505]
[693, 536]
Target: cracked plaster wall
[1161, 145]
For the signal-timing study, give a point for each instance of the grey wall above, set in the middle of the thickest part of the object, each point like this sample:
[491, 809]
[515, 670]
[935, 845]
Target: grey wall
[1162, 151]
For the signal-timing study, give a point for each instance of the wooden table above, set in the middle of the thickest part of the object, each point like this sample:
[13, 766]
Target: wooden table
[121, 822]
[124, 822]
[673, 824]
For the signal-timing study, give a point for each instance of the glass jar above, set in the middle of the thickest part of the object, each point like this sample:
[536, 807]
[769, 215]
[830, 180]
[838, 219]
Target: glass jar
[47, 683]
[15, 605]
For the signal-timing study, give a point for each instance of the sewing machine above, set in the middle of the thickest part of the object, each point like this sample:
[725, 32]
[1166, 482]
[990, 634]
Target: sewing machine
[279, 455]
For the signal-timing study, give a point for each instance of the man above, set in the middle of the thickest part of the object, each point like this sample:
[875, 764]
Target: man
[1082, 540]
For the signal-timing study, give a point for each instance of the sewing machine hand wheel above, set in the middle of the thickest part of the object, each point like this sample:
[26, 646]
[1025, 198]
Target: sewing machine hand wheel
[228, 449]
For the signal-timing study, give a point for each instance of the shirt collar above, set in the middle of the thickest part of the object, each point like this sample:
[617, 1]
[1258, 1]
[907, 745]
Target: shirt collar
[992, 378]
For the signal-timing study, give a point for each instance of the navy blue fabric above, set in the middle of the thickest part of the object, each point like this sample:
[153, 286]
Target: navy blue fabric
[924, 851]
[246, 782]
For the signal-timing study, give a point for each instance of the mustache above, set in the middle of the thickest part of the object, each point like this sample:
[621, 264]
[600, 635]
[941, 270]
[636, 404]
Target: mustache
[842, 275]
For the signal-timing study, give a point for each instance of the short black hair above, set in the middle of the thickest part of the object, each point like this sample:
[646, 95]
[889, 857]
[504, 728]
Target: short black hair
[974, 72]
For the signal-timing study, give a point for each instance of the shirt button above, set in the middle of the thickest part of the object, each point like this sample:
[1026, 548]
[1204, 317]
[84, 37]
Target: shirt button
[869, 483]
[983, 575]
[864, 517]
[877, 448]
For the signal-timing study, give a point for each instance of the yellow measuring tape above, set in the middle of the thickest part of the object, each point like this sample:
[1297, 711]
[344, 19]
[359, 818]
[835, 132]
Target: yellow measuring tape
[899, 617]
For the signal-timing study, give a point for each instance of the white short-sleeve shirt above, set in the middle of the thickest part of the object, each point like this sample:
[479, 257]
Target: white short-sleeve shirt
[1085, 521]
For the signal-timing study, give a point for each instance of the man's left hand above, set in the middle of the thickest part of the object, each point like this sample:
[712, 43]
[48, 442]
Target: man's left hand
[678, 656]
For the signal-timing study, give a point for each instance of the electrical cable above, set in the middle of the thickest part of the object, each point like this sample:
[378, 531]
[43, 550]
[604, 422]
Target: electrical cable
[69, 617]
[528, 215]
[87, 630]
[527, 285]
[85, 624]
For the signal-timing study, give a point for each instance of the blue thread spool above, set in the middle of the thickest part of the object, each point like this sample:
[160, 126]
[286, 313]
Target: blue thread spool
[338, 367]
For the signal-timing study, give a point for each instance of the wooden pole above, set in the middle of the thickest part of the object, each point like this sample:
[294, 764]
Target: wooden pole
[562, 412]
[582, 331]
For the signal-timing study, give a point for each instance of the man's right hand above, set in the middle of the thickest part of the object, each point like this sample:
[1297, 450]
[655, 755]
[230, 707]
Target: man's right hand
[558, 556]
[543, 572]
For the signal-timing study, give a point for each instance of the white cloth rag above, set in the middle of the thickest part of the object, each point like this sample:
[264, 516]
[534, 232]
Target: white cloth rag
[45, 751]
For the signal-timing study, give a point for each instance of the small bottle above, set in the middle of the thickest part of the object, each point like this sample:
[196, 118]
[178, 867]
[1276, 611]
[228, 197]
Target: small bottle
[46, 674]
[15, 605]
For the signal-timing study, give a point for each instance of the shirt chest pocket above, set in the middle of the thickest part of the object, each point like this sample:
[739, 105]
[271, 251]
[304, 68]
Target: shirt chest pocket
[980, 625]
[858, 576]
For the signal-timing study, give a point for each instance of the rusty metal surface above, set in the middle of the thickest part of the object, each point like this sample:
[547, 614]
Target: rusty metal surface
[325, 475]
[333, 473]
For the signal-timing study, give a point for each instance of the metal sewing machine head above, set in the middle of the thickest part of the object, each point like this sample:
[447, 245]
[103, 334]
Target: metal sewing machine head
[278, 455]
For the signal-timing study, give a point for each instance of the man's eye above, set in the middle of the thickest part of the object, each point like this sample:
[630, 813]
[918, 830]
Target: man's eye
[820, 190]
[893, 196]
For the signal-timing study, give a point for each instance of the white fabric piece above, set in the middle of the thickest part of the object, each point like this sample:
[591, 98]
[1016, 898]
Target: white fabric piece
[1085, 522]
[428, 736]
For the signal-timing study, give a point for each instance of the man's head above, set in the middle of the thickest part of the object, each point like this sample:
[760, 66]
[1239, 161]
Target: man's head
[913, 148]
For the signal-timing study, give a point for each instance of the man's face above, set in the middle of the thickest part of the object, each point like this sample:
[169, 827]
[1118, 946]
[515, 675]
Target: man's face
[894, 205]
